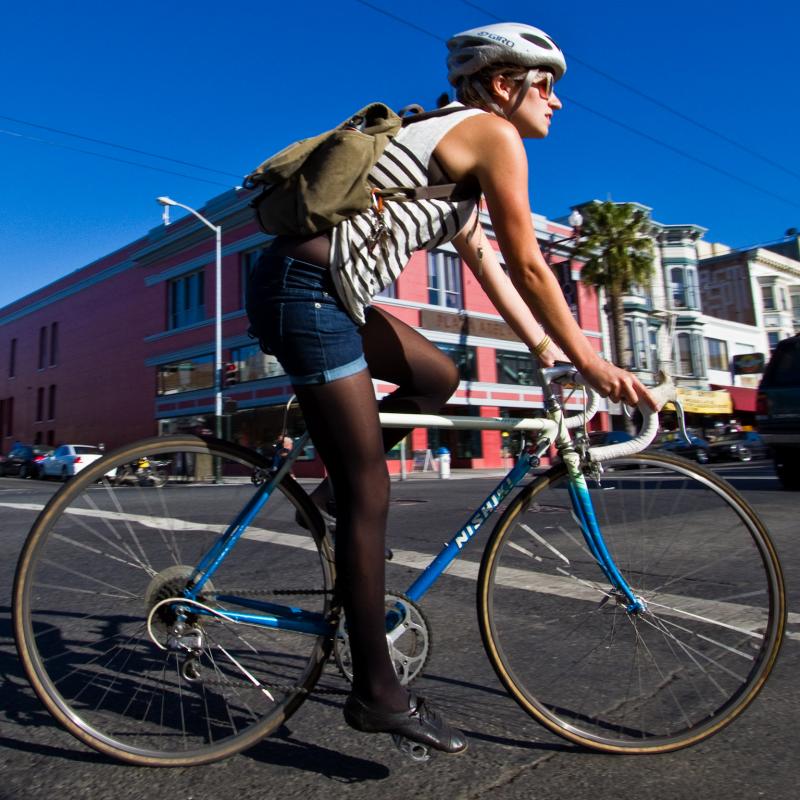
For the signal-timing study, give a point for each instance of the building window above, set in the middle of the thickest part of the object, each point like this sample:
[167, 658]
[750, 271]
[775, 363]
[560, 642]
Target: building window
[461, 444]
[254, 364]
[42, 347]
[248, 262]
[692, 291]
[653, 341]
[389, 291]
[51, 402]
[685, 360]
[463, 357]
[39, 403]
[641, 346]
[51, 438]
[53, 344]
[444, 279]
[767, 298]
[12, 359]
[684, 288]
[186, 301]
[773, 337]
[678, 287]
[515, 368]
[186, 375]
[627, 346]
[795, 309]
[717, 351]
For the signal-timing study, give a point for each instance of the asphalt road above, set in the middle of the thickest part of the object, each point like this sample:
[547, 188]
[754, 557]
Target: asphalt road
[510, 756]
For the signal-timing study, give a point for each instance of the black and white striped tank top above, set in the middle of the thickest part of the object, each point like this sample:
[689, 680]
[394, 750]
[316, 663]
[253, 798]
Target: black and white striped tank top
[361, 269]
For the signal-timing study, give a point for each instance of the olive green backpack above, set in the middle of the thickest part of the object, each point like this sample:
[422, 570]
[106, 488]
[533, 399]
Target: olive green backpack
[313, 184]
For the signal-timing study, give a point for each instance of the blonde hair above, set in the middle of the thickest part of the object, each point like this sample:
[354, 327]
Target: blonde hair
[469, 95]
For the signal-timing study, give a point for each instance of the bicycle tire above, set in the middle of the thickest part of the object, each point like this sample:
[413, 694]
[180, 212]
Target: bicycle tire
[99, 558]
[583, 666]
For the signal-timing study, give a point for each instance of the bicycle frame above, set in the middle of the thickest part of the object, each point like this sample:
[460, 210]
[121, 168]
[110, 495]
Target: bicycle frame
[552, 430]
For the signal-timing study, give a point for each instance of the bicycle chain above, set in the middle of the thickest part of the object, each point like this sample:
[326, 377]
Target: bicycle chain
[281, 687]
[268, 592]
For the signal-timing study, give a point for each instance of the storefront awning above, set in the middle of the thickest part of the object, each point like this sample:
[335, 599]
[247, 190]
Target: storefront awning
[743, 398]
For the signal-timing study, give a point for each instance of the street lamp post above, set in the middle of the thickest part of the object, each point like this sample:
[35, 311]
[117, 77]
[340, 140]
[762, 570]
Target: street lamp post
[166, 202]
[575, 221]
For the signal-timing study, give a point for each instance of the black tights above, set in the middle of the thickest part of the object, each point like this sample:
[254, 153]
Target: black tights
[342, 418]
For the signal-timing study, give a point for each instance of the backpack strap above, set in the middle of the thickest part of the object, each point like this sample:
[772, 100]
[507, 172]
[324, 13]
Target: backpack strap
[442, 191]
[421, 116]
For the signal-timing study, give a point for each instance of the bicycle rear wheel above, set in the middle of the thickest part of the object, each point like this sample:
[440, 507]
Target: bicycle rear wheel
[570, 653]
[99, 560]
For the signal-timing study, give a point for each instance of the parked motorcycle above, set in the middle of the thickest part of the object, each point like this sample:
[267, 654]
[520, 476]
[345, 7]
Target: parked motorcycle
[143, 472]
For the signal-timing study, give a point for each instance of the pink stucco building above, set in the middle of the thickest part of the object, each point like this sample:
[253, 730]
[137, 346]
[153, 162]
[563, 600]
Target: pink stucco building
[124, 347]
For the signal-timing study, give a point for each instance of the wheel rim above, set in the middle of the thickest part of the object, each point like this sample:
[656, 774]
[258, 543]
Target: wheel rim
[635, 683]
[94, 570]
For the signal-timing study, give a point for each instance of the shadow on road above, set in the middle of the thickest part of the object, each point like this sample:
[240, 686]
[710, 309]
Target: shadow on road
[281, 749]
[23, 710]
[21, 707]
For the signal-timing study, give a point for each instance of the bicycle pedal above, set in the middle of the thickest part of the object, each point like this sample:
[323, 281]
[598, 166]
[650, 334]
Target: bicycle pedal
[414, 750]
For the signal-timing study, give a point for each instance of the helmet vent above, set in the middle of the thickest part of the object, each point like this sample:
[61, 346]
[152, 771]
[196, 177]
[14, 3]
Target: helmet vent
[537, 40]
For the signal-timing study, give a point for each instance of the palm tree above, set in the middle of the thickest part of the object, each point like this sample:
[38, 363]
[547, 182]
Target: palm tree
[618, 250]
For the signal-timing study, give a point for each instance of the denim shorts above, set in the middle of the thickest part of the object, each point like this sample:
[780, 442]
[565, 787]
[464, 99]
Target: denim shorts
[297, 316]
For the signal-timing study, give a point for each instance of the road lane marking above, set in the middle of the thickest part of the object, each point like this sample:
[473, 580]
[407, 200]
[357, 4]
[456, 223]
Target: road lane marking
[729, 615]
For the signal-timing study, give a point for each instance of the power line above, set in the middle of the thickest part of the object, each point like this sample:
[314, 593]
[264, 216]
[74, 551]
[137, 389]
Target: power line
[629, 128]
[685, 154]
[118, 146]
[110, 158]
[400, 19]
[655, 101]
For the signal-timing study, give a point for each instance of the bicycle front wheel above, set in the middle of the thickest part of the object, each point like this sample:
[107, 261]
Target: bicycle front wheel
[571, 654]
[97, 634]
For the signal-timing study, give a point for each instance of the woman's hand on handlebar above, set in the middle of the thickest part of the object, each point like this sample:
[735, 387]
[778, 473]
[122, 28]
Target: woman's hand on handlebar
[553, 355]
[616, 384]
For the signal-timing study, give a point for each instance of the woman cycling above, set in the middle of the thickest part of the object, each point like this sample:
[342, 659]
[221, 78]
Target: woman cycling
[309, 304]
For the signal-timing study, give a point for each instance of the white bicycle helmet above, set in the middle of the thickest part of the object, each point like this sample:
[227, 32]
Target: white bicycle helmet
[503, 43]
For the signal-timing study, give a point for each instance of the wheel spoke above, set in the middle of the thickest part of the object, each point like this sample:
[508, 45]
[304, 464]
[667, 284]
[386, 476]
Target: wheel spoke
[131, 671]
[654, 678]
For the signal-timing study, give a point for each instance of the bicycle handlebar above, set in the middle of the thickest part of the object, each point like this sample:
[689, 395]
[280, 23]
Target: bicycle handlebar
[664, 392]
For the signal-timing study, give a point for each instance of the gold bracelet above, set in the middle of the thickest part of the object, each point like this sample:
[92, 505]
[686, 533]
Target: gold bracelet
[538, 351]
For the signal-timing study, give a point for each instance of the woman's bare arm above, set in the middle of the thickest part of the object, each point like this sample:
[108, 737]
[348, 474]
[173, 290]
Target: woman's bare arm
[490, 149]
[478, 254]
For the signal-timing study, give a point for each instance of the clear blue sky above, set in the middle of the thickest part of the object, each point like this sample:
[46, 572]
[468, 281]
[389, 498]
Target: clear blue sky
[222, 85]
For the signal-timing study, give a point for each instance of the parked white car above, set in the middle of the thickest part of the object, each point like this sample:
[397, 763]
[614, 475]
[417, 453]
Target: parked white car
[68, 460]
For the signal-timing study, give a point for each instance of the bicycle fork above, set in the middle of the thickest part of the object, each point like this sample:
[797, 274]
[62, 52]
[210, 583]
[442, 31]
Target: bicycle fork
[587, 521]
[583, 507]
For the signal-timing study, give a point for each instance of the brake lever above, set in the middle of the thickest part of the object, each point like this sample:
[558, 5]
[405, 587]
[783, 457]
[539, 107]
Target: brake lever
[681, 421]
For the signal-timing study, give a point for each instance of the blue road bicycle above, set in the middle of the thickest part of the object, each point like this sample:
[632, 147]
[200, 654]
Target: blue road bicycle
[631, 602]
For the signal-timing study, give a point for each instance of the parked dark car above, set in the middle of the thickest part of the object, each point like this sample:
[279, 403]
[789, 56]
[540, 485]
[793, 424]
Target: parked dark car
[24, 460]
[673, 442]
[778, 410]
[605, 438]
[602, 438]
[742, 446]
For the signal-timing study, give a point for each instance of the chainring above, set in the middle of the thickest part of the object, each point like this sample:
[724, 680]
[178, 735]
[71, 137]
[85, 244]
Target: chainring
[408, 637]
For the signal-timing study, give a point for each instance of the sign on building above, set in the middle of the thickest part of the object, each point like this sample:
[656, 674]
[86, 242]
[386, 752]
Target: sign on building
[748, 364]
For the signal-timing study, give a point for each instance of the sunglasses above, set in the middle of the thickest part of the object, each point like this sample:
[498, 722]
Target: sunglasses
[545, 83]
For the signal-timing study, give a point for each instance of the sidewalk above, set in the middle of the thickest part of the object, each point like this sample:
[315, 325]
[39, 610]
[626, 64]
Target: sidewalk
[455, 475]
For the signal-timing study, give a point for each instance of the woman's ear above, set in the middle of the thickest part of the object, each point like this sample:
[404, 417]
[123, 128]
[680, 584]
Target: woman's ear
[502, 88]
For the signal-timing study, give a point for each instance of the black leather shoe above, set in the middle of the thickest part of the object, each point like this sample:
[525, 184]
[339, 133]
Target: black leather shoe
[419, 724]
